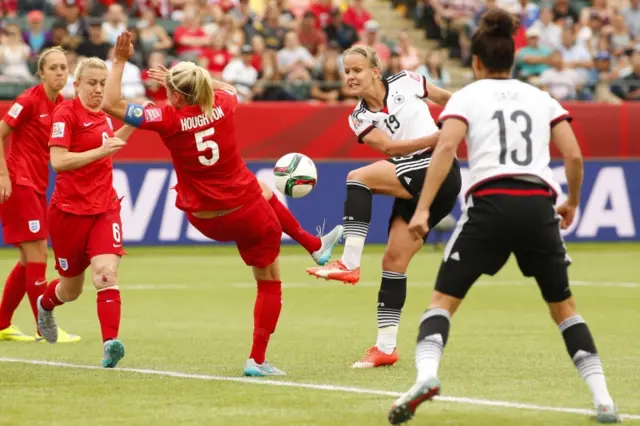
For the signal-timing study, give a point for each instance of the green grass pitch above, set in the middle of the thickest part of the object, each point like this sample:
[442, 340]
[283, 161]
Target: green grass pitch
[188, 312]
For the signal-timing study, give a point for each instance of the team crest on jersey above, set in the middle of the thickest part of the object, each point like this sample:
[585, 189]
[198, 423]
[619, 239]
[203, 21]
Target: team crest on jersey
[58, 130]
[34, 226]
[414, 76]
[357, 122]
[64, 265]
[398, 99]
[14, 112]
[152, 114]
[110, 123]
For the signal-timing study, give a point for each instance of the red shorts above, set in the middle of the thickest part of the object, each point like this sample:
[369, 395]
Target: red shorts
[24, 216]
[77, 239]
[254, 228]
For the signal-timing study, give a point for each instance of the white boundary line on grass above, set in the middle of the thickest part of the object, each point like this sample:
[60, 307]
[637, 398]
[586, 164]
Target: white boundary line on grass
[322, 284]
[312, 386]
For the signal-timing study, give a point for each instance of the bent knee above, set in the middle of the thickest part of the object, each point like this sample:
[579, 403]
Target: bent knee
[105, 276]
[396, 259]
[358, 175]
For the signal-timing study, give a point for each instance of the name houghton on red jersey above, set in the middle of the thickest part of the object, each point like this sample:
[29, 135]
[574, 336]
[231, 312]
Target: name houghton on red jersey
[30, 119]
[211, 174]
[89, 189]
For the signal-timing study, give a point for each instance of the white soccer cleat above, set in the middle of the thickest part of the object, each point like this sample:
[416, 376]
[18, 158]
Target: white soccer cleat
[253, 369]
[405, 407]
[329, 241]
[607, 414]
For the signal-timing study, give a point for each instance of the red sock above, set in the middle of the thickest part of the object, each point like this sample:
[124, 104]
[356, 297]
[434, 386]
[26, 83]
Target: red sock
[292, 228]
[35, 284]
[265, 317]
[12, 295]
[109, 307]
[49, 298]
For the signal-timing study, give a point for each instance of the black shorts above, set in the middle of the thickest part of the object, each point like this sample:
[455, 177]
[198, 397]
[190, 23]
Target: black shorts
[495, 224]
[411, 172]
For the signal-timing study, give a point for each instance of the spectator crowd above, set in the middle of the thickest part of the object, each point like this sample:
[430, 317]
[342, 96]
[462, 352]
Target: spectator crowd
[291, 49]
[269, 51]
[574, 49]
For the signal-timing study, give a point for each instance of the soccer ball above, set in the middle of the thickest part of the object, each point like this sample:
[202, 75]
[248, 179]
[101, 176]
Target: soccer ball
[295, 175]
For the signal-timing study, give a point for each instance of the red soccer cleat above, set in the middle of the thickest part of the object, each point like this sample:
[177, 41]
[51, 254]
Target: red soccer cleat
[376, 358]
[336, 271]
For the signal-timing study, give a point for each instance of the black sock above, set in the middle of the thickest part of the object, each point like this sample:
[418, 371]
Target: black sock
[357, 210]
[391, 298]
[581, 347]
[357, 215]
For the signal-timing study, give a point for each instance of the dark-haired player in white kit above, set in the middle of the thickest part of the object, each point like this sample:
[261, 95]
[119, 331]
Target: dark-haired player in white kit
[509, 208]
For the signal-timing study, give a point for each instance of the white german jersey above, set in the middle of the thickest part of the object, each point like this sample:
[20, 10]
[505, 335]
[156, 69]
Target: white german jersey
[509, 129]
[405, 114]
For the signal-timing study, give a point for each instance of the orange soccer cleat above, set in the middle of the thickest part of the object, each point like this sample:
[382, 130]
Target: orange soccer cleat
[376, 358]
[336, 271]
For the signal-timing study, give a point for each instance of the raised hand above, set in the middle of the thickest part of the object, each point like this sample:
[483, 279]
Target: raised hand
[124, 48]
[158, 74]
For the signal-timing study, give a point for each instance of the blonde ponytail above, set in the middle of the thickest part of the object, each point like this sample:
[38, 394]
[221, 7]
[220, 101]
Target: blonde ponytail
[204, 91]
[194, 83]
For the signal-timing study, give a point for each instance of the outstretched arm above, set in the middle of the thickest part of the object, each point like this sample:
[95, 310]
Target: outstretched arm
[113, 103]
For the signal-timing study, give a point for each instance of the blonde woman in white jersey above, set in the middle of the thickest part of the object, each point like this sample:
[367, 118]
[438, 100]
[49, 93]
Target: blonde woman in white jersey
[392, 117]
[509, 209]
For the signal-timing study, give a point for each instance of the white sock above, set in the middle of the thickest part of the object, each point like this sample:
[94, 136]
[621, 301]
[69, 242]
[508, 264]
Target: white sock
[590, 368]
[387, 339]
[428, 354]
[352, 255]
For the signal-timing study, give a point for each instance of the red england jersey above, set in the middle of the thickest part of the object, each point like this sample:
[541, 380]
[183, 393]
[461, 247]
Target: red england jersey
[89, 189]
[211, 174]
[30, 119]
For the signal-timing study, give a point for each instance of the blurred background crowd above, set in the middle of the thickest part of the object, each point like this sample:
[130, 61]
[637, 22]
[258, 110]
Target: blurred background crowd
[291, 49]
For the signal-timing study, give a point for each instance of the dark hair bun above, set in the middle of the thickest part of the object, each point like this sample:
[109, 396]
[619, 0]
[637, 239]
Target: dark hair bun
[498, 23]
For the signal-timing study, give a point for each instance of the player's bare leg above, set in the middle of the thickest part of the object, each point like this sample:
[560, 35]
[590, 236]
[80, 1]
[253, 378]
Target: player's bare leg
[57, 293]
[432, 338]
[377, 178]
[400, 249]
[582, 350]
[104, 270]
[266, 313]
[319, 247]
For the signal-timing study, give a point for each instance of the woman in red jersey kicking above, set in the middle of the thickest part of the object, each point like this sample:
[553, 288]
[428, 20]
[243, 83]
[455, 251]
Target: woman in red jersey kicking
[24, 178]
[220, 195]
[319, 247]
[84, 215]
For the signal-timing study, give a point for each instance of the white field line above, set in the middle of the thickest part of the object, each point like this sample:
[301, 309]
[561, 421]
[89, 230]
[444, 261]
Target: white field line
[321, 283]
[313, 386]
[377, 256]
